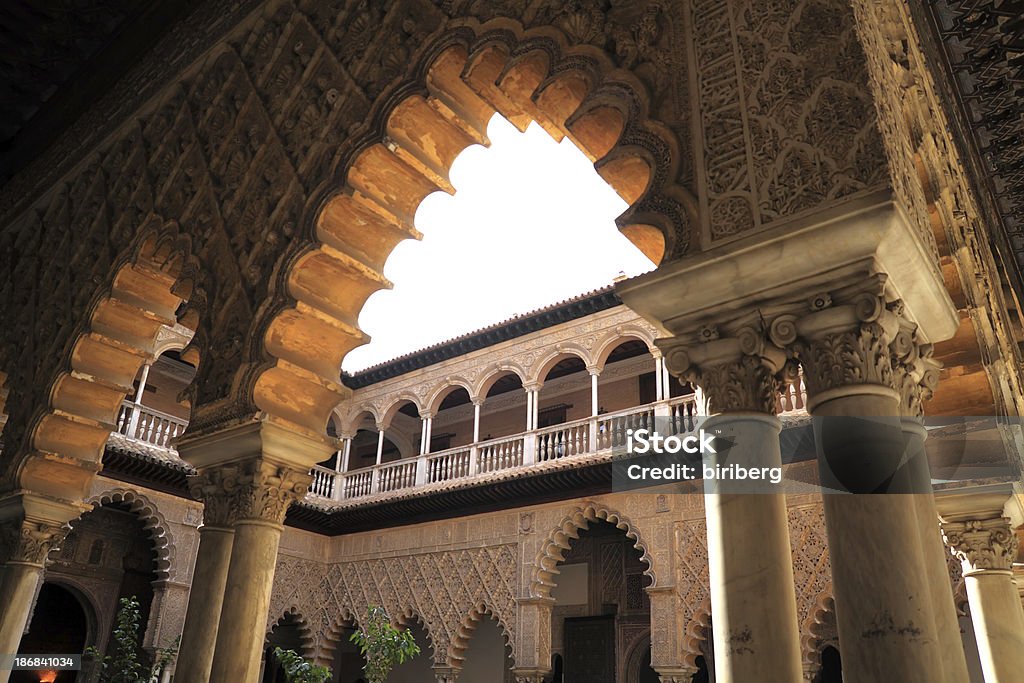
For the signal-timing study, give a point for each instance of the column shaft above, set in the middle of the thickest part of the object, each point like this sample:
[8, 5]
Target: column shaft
[476, 422]
[934, 553]
[18, 581]
[884, 611]
[380, 444]
[243, 617]
[752, 594]
[998, 624]
[593, 395]
[205, 600]
[985, 542]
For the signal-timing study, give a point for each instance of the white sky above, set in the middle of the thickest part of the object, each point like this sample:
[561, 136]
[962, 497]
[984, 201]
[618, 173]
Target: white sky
[531, 223]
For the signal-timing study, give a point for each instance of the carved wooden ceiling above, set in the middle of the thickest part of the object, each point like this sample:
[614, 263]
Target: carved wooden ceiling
[982, 45]
[56, 54]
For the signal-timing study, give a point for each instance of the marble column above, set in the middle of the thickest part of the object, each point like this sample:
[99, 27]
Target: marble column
[857, 357]
[983, 538]
[252, 471]
[30, 526]
[756, 634]
[934, 552]
[206, 597]
[262, 493]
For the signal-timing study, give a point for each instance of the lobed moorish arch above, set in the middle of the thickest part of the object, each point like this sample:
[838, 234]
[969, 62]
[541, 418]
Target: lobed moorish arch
[819, 630]
[148, 288]
[153, 522]
[698, 638]
[465, 77]
[553, 550]
[460, 642]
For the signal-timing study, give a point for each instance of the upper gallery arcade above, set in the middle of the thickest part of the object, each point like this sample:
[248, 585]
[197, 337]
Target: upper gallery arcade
[801, 172]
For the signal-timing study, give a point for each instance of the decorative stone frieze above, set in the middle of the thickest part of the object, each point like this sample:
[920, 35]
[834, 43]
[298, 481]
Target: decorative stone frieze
[982, 544]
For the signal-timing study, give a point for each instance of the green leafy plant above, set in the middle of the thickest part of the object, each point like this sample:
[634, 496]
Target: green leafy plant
[124, 665]
[298, 670]
[382, 645]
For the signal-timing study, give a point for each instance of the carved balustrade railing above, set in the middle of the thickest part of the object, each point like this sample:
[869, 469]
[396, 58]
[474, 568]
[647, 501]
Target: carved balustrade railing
[139, 423]
[524, 451]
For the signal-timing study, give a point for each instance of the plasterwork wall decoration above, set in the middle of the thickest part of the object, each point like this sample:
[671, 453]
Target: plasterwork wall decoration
[443, 588]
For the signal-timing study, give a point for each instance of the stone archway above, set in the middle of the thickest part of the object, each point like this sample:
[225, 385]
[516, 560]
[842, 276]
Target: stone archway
[557, 543]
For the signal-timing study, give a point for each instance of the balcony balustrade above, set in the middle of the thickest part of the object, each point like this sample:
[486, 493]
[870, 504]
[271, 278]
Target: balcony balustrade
[521, 452]
[139, 423]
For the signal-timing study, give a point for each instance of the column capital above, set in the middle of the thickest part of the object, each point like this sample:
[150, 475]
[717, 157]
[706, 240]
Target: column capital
[682, 675]
[256, 489]
[32, 525]
[738, 370]
[27, 542]
[446, 674]
[982, 544]
[427, 415]
[857, 337]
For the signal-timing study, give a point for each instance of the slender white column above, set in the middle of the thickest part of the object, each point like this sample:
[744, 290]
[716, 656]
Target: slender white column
[593, 392]
[529, 409]
[659, 378]
[346, 453]
[476, 420]
[380, 443]
[429, 428]
[133, 421]
[980, 530]
[536, 408]
[423, 435]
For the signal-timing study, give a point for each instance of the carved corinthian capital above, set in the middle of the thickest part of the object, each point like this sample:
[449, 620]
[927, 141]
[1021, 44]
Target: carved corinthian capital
[857, 337]
[253, 489]
[982, 544]
[29, 542]
[738, 373]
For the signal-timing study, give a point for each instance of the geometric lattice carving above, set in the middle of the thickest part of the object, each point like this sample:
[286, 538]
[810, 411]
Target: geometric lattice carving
[447, 591]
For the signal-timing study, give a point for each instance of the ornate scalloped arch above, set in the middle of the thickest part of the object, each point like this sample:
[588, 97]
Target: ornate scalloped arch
[147, 284]
[539, 370]
[553, 550]
[698, 632]
[414, 133]
[818, 630]
[610, 341]
[153, 522]
[461, 640]
[306, 635]
[409, 615]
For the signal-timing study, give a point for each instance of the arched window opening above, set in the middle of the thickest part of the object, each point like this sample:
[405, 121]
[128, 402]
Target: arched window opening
[156, 411]
[599, 596]
[61, 623]
[418, 668]
[348, 663]
[523, 191]
[831, 666]
[287, 635]
[488, 657]
[565, 393]
[453, 424]
[503, 412]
